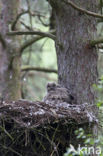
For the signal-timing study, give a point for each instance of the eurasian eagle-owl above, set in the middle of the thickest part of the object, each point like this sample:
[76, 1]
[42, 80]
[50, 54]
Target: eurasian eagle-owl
[57, 94]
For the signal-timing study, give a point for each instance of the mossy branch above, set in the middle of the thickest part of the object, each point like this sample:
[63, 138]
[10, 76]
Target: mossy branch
[95, 42]
[44, 34]
[38, 69]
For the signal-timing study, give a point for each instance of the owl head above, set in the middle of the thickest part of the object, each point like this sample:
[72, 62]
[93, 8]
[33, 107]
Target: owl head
[51, 86]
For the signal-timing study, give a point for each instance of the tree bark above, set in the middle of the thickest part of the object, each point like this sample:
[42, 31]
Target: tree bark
[77, 61]
[9, 54]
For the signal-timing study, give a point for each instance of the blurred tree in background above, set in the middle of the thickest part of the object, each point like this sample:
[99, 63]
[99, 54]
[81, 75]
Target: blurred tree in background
[39, 54]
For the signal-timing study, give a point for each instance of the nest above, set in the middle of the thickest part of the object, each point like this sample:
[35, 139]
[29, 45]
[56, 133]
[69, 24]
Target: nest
[35, 128]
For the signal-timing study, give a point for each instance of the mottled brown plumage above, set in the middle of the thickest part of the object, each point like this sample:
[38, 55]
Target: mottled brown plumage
[57, 94]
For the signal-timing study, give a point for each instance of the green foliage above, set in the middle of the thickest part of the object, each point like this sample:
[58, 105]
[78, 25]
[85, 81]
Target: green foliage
[88, 139]
[88, 147]
[99, 90]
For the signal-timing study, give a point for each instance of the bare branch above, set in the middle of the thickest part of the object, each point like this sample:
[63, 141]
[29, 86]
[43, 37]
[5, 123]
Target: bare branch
[35, 13]
[2, 40]
[42, 22]
[17, 18]
[29, 42]
[82, 10]
[29, 68]
[29, 9]
[26, 26]
[44, 34]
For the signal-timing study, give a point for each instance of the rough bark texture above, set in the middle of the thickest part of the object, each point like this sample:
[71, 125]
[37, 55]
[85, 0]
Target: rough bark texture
[77, 62]
[9, 54]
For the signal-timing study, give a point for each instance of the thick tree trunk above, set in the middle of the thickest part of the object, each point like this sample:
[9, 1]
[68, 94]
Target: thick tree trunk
[9, 54]
[77, 62]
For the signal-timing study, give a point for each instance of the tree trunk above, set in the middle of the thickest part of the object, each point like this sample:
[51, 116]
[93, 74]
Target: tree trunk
[9, 53]
[77, 62]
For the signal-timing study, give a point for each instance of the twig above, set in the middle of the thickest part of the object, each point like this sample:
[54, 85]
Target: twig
[12, 150]
[29, 12]
[26, 26]
[22, 13]
[29, 42]
[42, 22]
[82, 9]
[6, 132]
[17, 18]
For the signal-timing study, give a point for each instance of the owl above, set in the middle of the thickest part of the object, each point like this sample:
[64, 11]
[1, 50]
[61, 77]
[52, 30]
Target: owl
[57, 94]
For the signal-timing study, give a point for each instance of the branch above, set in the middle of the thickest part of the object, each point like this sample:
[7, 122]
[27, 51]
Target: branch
[22, 13]
[82, 10]
[30, 42]
[42, 22]
[38, 69]
[26, 26]
[2, 40]
[44, 34]
[17, 18]
[95, 42]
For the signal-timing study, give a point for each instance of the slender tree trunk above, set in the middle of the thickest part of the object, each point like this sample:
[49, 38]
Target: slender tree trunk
[77, 62]
[9, 54]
